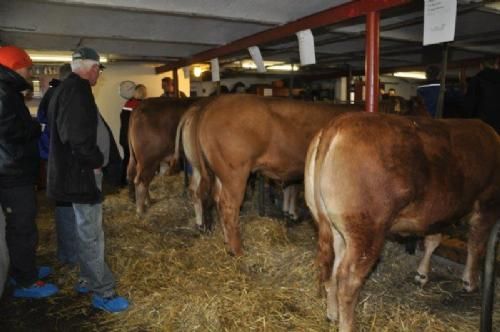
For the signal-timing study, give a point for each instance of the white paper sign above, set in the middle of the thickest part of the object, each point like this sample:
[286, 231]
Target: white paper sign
[257, 58]
[214, 64]
[439, 21]
[306, 47]
[186, 72]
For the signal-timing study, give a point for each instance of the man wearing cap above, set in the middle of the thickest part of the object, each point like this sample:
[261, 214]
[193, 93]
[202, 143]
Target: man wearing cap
[167, 85]
[19, 163]
[80, 144]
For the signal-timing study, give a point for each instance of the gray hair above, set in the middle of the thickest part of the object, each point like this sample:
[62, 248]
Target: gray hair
[84, 65]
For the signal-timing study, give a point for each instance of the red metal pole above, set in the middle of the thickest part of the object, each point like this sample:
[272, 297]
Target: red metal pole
[372, 61]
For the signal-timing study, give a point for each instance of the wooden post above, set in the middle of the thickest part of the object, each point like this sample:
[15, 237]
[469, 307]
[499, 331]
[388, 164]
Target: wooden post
[489, 281]
[463, 79]
[442, 87]
[176, 83]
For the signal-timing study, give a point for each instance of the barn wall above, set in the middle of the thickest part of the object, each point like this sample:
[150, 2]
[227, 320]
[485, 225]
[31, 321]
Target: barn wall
[106, 91]
[404, 87]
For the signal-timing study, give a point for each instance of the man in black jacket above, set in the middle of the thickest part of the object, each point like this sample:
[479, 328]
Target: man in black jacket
[483, 95]
[19, 164]
[80, 146]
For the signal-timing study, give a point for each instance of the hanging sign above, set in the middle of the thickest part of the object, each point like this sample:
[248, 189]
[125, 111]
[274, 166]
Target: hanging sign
[214, 64]
[185, 71]
[439, 21]
[257, 58]
[306, 47]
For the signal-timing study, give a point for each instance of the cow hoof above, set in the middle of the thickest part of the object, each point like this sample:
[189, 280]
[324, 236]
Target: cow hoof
[204, 229]
[331, 318]
[467, 287]
[292, 221]
[421, 279]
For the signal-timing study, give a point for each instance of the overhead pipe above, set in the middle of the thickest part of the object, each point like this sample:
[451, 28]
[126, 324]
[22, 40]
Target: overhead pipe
[326, 17]
[372, 61]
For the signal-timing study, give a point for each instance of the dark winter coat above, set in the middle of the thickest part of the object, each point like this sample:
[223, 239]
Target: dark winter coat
[19, 132]
[74, 153]
[483, 97]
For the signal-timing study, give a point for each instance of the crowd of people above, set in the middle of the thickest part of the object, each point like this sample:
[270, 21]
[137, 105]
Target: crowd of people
[74, 145]
[77, 145]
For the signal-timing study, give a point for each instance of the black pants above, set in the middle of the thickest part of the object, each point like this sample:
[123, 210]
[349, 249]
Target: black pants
[19, 207]
[126, 157]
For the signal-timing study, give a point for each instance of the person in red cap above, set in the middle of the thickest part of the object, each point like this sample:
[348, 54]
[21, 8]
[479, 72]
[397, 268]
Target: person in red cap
[19, 162]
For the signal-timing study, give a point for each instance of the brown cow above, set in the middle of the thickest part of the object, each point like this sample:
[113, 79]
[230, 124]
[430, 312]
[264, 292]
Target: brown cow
[152, 132]
[368, 175]
[240, 134]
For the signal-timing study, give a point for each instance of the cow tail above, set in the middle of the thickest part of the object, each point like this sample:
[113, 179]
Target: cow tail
[206, 175]
[325, 255]
[178, 137]
[132, 162]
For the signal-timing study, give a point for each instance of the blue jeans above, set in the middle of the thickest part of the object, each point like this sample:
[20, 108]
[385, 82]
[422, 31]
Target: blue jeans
[93, 268]
[67, 241]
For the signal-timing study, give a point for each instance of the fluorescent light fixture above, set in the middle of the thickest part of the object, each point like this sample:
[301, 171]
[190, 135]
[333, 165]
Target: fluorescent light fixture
[38, 57]
[419, 75]
[271, 65]
[248, 64]
[284, 67]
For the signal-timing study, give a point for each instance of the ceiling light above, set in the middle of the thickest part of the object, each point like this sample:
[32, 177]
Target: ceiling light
[420, 75]
[197, 71]
[284, 67]
[38, 57]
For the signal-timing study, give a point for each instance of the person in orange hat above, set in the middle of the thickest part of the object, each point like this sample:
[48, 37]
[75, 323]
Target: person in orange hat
[19, 162]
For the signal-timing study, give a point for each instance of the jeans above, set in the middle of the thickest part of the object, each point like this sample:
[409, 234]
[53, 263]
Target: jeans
[19, 208]
[67, 241]
[93, 268]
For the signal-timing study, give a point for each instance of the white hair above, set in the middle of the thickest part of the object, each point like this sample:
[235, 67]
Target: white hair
[83, 65]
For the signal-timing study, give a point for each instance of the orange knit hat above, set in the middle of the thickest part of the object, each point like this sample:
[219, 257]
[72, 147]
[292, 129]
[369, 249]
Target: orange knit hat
[14, 57]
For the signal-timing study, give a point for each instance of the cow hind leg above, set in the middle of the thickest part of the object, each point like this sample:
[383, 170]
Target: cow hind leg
[480, 225]
[195, 196]
[140, 198]
[431, 242]
[360, 255]
[331, 285]
[293, 216]
[230, 195]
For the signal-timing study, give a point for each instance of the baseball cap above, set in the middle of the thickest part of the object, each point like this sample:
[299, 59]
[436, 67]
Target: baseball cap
[14, 57]
[87, 53]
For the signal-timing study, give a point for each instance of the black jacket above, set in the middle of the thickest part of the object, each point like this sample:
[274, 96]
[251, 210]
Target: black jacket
[483, 97]
[19, 132]
[74, 153]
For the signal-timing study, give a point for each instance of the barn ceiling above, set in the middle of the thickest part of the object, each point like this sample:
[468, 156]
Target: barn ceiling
[164, 31]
